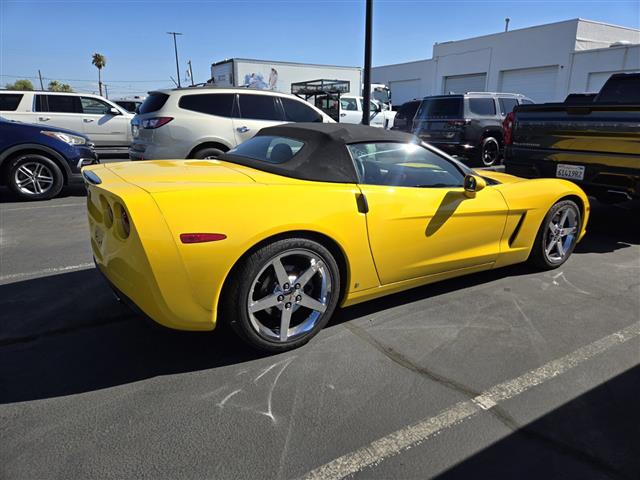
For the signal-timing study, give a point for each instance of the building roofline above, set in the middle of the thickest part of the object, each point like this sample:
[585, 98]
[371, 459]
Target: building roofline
[608, 24]
[278, 62]
[403, 63]
[572, 20]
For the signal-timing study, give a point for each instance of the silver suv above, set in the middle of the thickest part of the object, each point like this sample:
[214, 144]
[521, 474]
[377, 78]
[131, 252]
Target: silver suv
[205, 122]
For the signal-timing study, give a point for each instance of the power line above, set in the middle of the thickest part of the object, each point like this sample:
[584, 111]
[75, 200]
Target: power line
[82, 79]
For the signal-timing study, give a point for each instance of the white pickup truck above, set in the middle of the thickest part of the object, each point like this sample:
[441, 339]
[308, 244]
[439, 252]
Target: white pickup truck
[351, 112]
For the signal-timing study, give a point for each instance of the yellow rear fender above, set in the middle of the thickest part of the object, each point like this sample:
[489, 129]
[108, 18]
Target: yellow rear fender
[252, 214]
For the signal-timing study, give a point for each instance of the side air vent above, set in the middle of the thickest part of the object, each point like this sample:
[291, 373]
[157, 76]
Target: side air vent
[514, 235]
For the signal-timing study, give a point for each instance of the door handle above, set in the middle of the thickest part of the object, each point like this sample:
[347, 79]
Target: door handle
[343, 114]
[243, 129]
[87, 120]
[44, 119]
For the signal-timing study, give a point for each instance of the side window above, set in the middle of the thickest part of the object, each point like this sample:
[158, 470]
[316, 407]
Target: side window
[482, 106]
[526, 102]
[348, 104]
[41, 103]
[63, 103]
[295, 111]
[507, 105]
[93, 106]
[259, 107]
[9, 101]
[373, 107]
[403, 165]
[220, 104]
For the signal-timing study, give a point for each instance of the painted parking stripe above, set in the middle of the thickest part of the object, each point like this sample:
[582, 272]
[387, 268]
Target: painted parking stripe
[45, 272]
[412, 435]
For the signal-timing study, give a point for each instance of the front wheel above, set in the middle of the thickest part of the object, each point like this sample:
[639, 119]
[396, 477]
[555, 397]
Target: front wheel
[557, 236]
[283, 294]
[34, 176]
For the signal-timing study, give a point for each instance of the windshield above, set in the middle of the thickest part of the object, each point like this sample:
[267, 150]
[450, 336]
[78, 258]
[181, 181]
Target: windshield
[443, 107]
[383, 95]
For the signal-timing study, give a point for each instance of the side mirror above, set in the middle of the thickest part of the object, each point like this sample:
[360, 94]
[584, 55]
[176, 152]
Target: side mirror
[114, 111]
[378, 107]
[473, 184]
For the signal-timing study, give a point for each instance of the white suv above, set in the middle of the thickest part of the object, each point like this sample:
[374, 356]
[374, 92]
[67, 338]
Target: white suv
[204, 122]
[106, 124]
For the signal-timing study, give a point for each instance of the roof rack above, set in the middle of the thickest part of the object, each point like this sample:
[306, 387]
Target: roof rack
[315, 87]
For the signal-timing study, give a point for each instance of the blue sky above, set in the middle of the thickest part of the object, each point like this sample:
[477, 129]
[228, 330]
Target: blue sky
[59, 37]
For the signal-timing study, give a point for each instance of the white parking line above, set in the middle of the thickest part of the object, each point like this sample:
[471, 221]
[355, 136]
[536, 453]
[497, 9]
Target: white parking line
[412, 435]
[16, 209]
[45, 272]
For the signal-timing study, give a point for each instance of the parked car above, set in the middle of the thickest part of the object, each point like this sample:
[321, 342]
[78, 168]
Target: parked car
[403, 120]
[593, 140]
[131, 105]
[351, 112]
[368, 212]
[205, 122]
[106, 124]
[36, 161]
[468, 125]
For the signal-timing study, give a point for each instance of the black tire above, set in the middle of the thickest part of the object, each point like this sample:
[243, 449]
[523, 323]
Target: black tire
[42, 167]
[489, 153]
[208, 153]
[538, 257]
[235, 303]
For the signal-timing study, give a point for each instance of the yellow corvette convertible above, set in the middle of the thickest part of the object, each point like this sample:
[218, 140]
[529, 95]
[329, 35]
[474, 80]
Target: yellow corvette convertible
[275, 234]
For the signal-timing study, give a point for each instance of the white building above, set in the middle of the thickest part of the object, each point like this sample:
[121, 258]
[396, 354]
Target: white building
[545, 62]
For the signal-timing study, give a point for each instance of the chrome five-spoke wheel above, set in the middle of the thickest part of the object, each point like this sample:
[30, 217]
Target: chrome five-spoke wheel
[557, 236]
[561, 233]
[289, 295]
[282, 294]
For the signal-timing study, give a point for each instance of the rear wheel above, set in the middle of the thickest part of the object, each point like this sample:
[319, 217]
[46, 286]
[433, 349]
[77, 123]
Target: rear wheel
[282, 294]
[490, 152]
[34, 176]
[557, 236]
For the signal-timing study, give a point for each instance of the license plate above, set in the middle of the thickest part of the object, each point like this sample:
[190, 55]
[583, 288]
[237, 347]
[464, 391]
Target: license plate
[571, 172]
[98, 236]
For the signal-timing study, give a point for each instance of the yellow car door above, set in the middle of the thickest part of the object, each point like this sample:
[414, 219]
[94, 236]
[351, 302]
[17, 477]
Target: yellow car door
[420, 221]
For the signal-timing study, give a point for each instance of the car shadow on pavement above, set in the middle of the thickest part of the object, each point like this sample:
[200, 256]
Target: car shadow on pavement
[594, 436]
[611, 227]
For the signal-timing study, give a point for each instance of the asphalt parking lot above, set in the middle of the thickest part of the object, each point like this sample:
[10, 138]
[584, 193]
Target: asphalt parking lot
[504, 374]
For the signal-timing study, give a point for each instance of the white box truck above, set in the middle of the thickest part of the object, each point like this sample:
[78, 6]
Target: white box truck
[278, 76]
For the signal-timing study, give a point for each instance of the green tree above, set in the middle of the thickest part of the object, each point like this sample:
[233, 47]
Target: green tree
[99, 61]
[20, 85]
[56, 86]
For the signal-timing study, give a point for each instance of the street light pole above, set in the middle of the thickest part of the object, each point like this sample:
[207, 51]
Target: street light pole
[366, 94]
[175, 48]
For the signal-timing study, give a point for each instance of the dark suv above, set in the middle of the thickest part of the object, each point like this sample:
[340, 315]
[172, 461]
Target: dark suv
[469, 125]
[403, 120]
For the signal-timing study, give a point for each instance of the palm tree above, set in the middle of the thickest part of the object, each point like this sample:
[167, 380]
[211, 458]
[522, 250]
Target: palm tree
[99, 61]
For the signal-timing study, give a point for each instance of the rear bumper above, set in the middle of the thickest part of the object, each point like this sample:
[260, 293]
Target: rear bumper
[599, 180]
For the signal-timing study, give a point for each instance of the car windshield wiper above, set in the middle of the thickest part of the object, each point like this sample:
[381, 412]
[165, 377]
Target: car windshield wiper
[436, 185]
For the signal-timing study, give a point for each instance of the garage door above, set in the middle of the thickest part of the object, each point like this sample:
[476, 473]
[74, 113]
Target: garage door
[404, 90]
[539, 84]
[465, 83]
[597, 79]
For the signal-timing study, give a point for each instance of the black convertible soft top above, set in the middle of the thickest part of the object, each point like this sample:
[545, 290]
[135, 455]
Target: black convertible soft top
[324, 157]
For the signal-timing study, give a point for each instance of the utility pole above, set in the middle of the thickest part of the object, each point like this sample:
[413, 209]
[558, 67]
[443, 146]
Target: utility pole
[191, 73]
[41, 84]
[366, 94]
[106, 91]
[175, 47]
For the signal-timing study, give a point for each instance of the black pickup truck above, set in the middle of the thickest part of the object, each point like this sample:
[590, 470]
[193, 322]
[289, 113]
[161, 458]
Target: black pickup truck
[593, 140]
